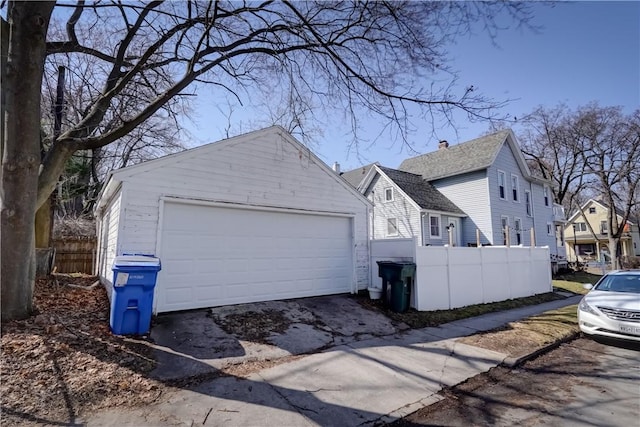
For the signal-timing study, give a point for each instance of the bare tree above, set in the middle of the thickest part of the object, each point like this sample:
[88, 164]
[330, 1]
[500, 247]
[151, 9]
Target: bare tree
[86, 170]
[350, 56]
[553, 143]
[613, 156]
[589, 152]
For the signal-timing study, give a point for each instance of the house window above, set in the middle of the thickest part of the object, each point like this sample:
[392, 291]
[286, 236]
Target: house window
[504, 221]
[545, 192]
[388, 194]
[587, 249]
[515, 188]
[392, 226]
[592, 210]
[502, 183]
[527, 200]
[580, 226]
[550, 229]
[434, 225]
[603, 227]
[517, 223]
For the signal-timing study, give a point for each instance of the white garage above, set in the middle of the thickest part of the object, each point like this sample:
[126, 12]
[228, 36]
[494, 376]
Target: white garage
[252, 218]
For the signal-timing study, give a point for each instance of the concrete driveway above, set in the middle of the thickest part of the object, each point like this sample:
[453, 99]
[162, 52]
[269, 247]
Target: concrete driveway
[203, 341]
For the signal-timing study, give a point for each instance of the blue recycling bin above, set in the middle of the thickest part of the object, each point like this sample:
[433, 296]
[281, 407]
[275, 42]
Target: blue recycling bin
[134, 280]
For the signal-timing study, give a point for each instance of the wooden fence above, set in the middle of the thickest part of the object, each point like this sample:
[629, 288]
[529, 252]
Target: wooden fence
[75, 254]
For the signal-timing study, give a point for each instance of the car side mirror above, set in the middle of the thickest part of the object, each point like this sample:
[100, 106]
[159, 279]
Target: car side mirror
[587, 286]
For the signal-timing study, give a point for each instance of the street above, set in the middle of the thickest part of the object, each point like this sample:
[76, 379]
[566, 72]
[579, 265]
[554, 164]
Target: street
[582, 383]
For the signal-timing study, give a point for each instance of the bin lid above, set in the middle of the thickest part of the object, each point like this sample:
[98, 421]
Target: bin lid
[136, 261]
[395, 263]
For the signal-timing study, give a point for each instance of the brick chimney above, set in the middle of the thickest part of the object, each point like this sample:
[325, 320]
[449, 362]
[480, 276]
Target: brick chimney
[443, 144]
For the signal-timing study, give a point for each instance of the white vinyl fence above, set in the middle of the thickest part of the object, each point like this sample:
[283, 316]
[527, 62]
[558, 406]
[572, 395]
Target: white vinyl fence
[452, 277]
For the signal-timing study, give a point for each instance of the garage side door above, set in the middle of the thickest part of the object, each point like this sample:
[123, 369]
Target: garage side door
[215, 256]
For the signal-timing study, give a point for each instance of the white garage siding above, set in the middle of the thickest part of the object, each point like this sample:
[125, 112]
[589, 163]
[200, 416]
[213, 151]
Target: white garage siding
[223, 255]
[108, 238]
[266, 168]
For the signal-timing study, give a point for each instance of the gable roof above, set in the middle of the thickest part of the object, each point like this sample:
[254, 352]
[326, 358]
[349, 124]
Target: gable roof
[356, 176]
[423, 193]
[116, 177]
[598, 202]
[470, 156]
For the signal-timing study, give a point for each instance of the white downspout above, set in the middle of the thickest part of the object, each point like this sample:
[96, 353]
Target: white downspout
[533, 211]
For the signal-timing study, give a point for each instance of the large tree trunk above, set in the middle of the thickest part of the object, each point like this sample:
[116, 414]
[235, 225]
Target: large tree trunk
[28, 23]
[613, 251]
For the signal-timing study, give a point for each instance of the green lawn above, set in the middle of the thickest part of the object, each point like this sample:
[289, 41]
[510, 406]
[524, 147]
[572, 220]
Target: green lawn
[573, 282]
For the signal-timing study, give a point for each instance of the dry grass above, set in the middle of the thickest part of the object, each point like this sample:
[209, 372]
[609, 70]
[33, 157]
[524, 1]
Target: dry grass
[523, 337]
[421, 319]
[64, 361]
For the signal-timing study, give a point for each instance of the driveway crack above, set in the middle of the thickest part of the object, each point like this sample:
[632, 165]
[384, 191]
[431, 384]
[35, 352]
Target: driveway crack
[298, 408]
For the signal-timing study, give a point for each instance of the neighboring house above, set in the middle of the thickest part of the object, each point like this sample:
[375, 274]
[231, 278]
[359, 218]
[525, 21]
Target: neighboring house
[356, 176]
[586, 243]
[489, 182]
[252, 218]
[405, 205]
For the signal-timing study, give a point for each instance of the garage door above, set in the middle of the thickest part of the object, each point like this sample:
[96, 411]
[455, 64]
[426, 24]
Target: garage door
[215, 256]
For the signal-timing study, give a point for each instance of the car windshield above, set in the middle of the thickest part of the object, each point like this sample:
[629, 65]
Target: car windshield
[620, 283]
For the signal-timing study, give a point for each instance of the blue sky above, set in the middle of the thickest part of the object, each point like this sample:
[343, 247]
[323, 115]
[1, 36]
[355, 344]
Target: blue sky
[584, 52]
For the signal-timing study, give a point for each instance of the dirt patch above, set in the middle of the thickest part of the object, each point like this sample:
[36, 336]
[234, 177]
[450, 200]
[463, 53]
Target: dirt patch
[64, 360]
[247, 368]
[524, 337]
[254, 326]
[539, 386]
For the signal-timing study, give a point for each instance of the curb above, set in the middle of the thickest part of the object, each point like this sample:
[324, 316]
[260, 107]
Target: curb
[512, 362]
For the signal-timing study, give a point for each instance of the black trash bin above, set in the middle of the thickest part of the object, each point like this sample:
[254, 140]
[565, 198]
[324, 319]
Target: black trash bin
[401, 276]
[400, 296]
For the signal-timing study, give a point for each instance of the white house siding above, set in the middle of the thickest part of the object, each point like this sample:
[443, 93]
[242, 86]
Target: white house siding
[469, 192]
[109, 228]
[406, 213]
[262, 169]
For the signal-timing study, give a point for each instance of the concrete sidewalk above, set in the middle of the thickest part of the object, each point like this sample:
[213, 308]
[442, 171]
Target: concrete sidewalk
[360, 383]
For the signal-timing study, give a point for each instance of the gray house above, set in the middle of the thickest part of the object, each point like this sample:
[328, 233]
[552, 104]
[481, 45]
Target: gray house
[486, 185]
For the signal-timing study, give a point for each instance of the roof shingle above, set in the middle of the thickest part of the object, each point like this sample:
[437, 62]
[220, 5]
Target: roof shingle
[423, 193]
[469, 156]
[354, 177]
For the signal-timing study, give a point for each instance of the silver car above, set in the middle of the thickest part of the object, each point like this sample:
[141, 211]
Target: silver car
[612, 306]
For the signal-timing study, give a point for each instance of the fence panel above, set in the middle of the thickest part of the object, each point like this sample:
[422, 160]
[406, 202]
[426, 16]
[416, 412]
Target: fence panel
[75, 255]
[465, 267]
[431, 288]
[452, 277]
